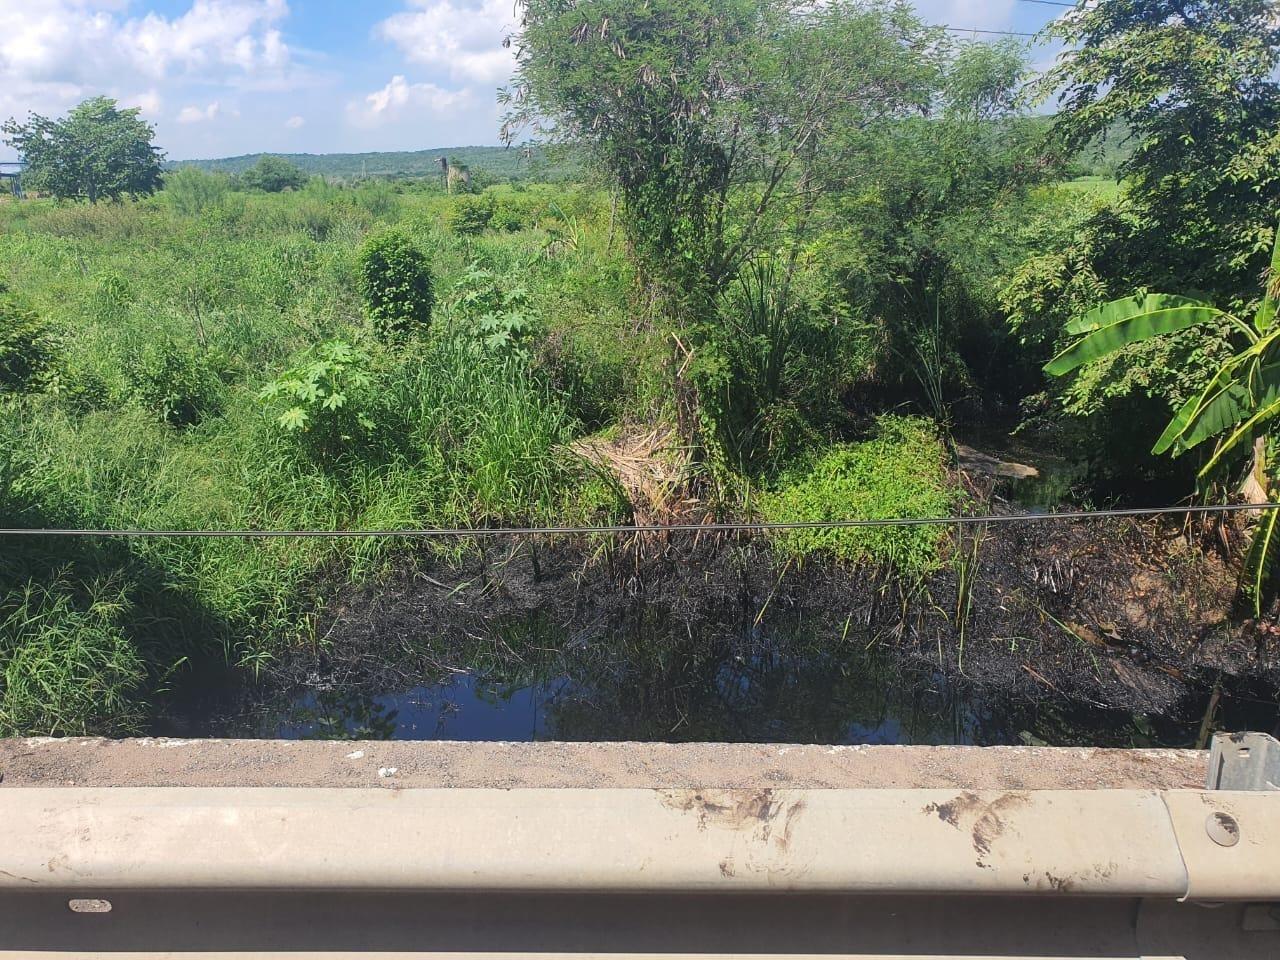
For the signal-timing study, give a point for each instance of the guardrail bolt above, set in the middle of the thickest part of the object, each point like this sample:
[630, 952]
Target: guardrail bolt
[1223, 829]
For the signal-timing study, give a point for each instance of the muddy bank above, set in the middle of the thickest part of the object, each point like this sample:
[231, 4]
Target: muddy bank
[683, 638]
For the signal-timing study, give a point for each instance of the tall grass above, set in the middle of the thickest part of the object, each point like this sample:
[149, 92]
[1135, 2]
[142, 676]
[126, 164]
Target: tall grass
[171, 318]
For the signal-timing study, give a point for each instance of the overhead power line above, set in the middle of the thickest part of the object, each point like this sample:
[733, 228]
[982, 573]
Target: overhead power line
[1000, 33]
[428, 533]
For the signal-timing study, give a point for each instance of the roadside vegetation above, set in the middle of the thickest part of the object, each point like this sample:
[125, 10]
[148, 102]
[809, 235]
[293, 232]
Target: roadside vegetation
[801, 249]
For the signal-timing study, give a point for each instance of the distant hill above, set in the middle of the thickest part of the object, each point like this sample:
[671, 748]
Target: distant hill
[497, 163]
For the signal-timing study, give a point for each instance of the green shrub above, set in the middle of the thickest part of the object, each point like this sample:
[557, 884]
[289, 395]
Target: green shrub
[172, 381]
[28, 347]
[191, 191]
[900, 472]
[470, 214]
[396, 282]
[513, 211]
[326, 399]
[69, 669]
[495, 318]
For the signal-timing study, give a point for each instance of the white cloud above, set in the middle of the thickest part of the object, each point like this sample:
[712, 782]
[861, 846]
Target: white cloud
[192, 114]
[149, 102]
[459, 38]
[56, 52]
[400, 99]
[213, 36]
[295, 123]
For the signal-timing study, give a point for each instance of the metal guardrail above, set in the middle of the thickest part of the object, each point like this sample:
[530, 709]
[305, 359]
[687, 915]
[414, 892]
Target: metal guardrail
[266, 872]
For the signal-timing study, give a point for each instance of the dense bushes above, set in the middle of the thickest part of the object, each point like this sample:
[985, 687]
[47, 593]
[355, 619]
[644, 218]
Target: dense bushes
[899, 472]
[171, 381]
[470, 215]
[396, 283]
[272, 175]
[28, 346]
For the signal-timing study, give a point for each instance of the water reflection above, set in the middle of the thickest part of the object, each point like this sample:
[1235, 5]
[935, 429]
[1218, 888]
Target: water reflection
[643, 681]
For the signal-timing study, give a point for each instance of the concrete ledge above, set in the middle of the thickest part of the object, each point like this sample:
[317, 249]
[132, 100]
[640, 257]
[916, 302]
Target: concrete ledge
[429, 764]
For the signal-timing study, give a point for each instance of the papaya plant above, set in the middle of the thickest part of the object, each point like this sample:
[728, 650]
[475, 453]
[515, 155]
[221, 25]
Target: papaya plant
[1235, 407]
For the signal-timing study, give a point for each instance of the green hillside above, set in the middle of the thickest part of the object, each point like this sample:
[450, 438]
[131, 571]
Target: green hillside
[501, 163]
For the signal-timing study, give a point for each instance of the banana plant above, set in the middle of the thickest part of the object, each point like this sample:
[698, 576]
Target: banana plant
[1236, 405]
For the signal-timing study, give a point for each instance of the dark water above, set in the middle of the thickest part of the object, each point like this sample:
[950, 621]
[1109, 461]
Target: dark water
[793, 689]
[645, 678]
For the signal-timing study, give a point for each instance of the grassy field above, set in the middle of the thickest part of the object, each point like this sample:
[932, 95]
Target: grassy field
[184, 335]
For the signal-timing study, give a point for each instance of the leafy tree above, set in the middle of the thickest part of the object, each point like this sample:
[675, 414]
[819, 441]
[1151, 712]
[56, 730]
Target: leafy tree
[1191, 85]
[722, 123]
[917, 246]
[719, 121]
[273, 175]
[396, 282]
[97, 151]
[1194, 84]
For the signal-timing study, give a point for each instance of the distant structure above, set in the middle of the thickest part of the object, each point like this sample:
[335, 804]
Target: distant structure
[11, 178]
[454, 176]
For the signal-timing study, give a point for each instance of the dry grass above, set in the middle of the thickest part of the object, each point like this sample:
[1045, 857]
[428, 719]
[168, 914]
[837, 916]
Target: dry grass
[653, 468]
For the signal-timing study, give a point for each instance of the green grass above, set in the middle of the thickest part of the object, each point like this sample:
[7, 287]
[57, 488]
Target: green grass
[1106, 189]
[899, 472]
[168, 324]
[69, 668]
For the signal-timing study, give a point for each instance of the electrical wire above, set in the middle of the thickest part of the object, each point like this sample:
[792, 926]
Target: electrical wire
[584, 531]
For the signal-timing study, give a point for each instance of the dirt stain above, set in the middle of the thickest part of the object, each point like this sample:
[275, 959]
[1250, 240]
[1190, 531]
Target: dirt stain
[951, 811]
[766, 813]
[984, 821]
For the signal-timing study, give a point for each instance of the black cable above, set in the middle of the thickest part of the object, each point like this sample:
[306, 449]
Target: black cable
[745, 527]
[1002, 33]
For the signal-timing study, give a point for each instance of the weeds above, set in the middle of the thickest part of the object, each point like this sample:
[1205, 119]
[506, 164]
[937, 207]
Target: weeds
[901, 472]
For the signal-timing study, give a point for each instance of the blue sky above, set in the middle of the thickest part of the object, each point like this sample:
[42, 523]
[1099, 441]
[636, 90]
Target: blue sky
[224, 77]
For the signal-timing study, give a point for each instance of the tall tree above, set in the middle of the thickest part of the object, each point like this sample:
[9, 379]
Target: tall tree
[721, 122]
[712, 115]
[1194, 82]
[98, 151]
[273, 175]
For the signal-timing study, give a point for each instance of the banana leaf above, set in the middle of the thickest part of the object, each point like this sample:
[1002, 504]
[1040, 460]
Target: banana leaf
[1225, 401]
[1131, 329]
[1245, 431]
[1258, 566]
[1266, 314]
[1125, 308]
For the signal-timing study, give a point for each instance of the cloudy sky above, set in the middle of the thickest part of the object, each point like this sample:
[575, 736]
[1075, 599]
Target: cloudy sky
[224, 77]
